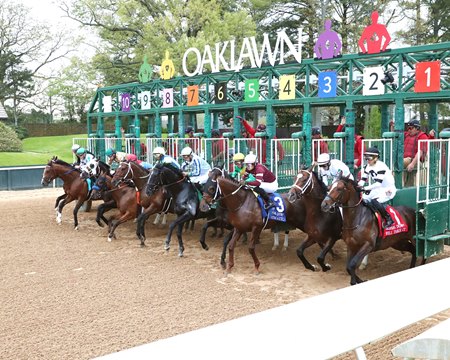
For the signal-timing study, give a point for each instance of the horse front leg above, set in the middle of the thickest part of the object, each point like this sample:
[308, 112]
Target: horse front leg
[114, 224]
[353, 261]
[179, 220]
[67, 199]
[226, 241]
[232, 244]
[59, 199]
[75, 212]
[276, 240]
[300, 253]
[203, 235]
[102, 209]
[321, 258]
[251, 248]
[180, 240]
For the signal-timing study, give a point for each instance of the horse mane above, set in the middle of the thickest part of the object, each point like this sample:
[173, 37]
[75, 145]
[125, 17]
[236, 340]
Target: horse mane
[230, 180]
[323, 186]
[60, 162]
[351, 181]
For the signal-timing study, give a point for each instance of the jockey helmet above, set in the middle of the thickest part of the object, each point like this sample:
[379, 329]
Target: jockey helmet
[250, 159]
[109, 152]
[372, 151]
[323, 159]
[131, 157]
[315, 131]
[186, 151]
[238, 157]
[159, 151]
[81, 151]
[75, 147]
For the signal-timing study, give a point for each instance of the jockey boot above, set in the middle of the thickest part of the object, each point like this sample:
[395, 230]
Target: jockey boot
[388, 222]
[265, 196]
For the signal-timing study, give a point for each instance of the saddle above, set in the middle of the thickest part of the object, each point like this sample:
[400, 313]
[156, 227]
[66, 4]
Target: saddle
[398, 227]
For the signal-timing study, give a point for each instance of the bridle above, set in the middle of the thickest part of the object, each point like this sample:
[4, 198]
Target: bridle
[130, 171]
[303, 188]
[338, 200]
[53, 176]
[160, 183]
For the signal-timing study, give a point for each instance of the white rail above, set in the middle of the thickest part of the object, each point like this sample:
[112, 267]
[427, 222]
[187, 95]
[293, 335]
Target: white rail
[319, 327]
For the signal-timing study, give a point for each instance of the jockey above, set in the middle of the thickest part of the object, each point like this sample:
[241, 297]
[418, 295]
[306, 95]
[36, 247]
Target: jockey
[194, 166]
[75, 147]
[239, 169]
[115, 156]
[260, 178]
[159, 154]
[144, 164]
[331, 169]
[382, 188]
[87, 164]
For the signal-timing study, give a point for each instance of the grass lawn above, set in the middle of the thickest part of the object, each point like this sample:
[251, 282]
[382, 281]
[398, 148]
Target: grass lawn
[39, 150]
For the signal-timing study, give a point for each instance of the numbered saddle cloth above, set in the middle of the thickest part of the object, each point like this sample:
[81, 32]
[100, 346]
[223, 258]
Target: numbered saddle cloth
[277, 212]
[399, 225]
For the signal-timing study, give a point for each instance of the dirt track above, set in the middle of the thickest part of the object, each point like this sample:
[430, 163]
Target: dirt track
[69, 294]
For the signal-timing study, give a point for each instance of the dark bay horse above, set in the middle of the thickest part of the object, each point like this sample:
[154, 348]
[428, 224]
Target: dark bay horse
[159, 201]
[323, 228]
[123, 198]
[244, 214]
[75, 188]
[360, 227]
[185, 199]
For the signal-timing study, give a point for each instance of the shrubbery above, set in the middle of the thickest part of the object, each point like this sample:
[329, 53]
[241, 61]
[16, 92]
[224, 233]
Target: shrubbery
[9, 140]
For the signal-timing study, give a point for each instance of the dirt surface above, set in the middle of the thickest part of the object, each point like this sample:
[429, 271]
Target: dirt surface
[69, 294]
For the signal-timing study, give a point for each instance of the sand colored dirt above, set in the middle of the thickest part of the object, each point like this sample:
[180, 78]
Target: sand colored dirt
[69, 294]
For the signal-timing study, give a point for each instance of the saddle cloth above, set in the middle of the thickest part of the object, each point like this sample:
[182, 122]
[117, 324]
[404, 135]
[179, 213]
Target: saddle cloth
[278, 212]
[398, 227]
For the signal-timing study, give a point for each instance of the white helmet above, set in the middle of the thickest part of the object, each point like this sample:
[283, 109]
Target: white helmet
[186, 151]
[250, 159]
[159, 150]
[75, 147]
[323, 159]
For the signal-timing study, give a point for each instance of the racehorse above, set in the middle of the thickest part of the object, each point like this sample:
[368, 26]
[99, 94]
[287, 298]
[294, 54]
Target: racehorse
[75, 188]
[185, 199]
[323, 228]
[210, 192]
[158, 202]
[361, 231]
[123, 198]
[244, 214]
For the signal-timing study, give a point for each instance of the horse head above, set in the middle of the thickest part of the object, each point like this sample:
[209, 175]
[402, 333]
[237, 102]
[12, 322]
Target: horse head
[101, 185]
[343, 192]
[54, 169]
[163, 175]
[122, 173]
[307, 183]
[211, 191]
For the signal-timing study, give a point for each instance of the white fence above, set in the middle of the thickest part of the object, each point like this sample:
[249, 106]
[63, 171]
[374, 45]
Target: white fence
[316, 328]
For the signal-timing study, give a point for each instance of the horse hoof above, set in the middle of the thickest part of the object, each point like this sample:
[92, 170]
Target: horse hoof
[166, 247]
[327, 267]
[143, 245]
[180, 254]
[274, 248]
[76, 228]
[314, 268]
[109, 239]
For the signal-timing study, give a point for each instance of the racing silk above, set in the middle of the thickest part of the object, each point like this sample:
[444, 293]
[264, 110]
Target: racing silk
[197, 169]
[120, 156]
[264, 178]
[411, 144]
[84, 163]
[382, 187]
[238, 172]
[336, 168]
[167, 159]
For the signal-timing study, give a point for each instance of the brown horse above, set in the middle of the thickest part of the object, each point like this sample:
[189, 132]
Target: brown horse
[123, 198]
[323, 228]
[158, 202]
[244, 214]
[75, 188]
[360, 226]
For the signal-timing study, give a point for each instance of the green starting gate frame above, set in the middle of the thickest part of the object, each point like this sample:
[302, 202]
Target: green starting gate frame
[349, 68]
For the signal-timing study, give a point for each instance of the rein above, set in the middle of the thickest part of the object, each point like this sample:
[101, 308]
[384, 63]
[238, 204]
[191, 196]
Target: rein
[232, 194]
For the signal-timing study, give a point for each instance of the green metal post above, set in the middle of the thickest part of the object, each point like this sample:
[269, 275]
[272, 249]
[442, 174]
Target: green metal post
[350, 135]
[385, 118]
[158, 125]
[271, 132]
[307, 121]
[170, 123]
[193, 121]
[215, 120]
[180, 124]
[207, 122]
[433, 118]
[137, 134]
[399, 128]
[236, 122]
